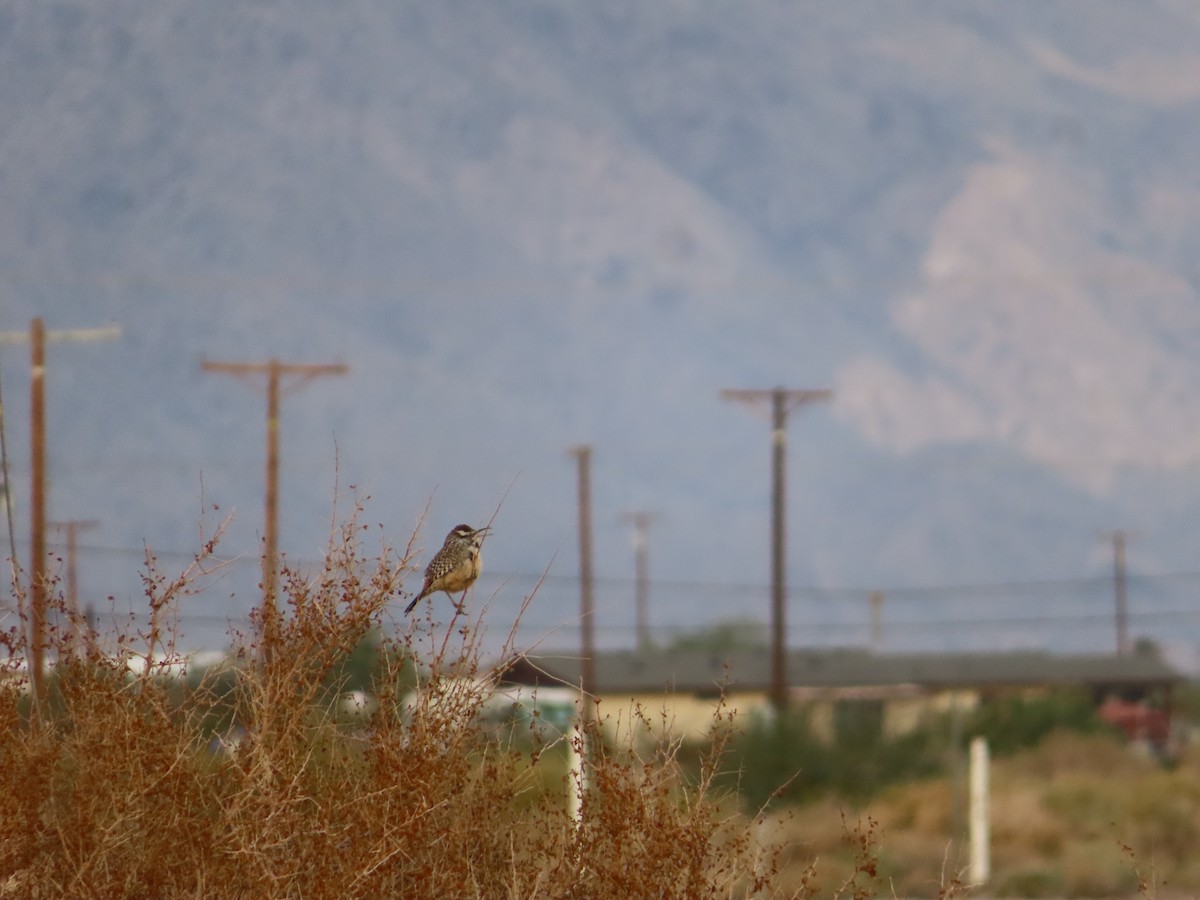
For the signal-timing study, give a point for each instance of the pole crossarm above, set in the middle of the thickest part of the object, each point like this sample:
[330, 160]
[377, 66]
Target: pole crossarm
[73, 527]
[641, 519]
[65, 335]
[302, 373]
[791, 398]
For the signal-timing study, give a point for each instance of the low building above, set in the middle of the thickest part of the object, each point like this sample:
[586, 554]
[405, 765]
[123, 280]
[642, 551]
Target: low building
[680, 690]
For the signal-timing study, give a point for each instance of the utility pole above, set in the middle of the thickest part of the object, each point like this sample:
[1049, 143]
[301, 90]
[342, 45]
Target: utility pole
[641, 568]
[587, 625]
[782, 402]
[72, 528]
[876, 620]
[1118, 539]
[38, 337]
[275, 371]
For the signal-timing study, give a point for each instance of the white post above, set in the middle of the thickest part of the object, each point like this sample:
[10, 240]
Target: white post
[576, 774]
[980, 862]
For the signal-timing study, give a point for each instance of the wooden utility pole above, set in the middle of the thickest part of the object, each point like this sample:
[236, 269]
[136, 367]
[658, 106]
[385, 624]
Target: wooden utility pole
[38, 587]
[782, 402]
[641, 520]
[38, 337]
[1118, 539]
[275, 371]
[587, 624]
[72, 528]
[876, 599]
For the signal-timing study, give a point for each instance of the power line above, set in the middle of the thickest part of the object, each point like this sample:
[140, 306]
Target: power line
[390, 285]
[960, 590]
[1098, 618]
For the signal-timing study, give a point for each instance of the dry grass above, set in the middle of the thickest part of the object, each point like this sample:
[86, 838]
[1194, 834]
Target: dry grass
[120, 787]
[1078, 816]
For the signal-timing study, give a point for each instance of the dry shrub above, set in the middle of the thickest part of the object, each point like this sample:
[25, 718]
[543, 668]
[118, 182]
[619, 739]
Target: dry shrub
[1081, 815]
[1064, 752]
[1022, 825]
[643, 832]
[129, 782]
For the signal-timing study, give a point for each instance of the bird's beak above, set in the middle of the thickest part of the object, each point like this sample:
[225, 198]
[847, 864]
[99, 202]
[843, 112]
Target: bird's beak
[484, 530]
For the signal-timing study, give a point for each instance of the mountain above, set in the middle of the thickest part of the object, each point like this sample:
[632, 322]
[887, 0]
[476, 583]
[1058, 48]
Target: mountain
[525, 225]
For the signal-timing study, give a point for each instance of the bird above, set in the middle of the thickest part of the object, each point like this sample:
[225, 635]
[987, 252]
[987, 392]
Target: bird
[455, 567]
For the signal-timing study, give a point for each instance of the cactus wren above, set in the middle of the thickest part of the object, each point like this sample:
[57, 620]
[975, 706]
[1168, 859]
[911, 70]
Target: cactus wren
[455, 567]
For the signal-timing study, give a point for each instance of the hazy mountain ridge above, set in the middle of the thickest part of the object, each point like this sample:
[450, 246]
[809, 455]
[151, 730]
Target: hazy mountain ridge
[526, 226]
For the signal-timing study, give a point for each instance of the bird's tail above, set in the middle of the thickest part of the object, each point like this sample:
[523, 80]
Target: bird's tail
[417, 599]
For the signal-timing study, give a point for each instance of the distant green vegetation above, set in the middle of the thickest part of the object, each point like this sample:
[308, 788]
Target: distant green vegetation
[786, 761]
[1015, 723]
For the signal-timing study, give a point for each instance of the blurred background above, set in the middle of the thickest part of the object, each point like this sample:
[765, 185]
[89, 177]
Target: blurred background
[527, 225]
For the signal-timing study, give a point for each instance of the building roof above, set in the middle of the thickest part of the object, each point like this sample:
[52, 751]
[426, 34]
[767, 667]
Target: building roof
[697, 671]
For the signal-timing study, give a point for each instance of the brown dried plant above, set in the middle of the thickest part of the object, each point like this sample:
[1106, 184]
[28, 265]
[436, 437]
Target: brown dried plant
[245, 780]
